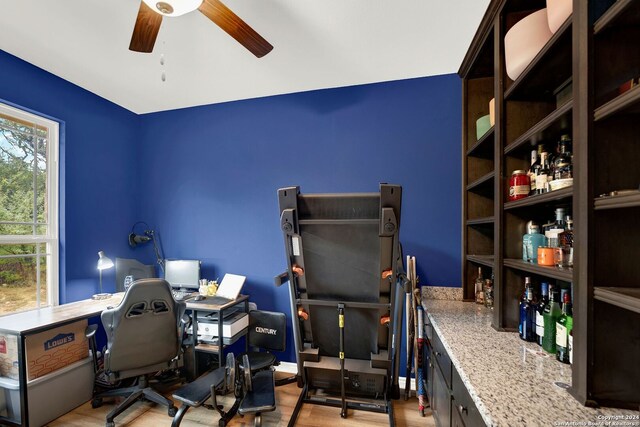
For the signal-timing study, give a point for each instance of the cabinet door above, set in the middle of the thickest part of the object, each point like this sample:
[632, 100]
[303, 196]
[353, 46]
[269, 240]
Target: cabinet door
[441, 401]
[456, 419]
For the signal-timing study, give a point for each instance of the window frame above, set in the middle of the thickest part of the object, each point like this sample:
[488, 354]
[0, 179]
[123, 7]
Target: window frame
[51, 239]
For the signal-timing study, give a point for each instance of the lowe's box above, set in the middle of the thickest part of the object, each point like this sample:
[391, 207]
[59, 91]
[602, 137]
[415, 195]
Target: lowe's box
[56, 348]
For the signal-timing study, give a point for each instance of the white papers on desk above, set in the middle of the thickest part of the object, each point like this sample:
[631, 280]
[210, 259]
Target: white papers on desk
[230, 286]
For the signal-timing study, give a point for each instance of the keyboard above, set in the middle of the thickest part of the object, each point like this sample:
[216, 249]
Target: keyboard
[179, 294]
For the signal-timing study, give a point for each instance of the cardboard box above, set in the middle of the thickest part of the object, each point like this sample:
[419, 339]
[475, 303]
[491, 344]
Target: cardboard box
[56, 348]
[9, 356]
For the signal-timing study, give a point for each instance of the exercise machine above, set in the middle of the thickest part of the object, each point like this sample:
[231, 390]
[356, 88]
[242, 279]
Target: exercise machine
[346, 284]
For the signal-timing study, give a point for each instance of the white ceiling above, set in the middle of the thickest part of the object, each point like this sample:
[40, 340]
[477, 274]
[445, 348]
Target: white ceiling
[317, 44]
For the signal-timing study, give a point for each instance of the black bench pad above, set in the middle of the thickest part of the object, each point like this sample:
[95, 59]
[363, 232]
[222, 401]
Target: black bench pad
[198, 391]
[262, 397]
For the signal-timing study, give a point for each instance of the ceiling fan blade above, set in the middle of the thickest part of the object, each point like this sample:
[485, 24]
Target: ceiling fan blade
[231, 23]
[146, 29]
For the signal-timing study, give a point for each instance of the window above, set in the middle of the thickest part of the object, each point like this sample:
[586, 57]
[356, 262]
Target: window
[28, 211]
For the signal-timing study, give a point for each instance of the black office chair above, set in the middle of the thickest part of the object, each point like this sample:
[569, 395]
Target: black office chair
[144, 337]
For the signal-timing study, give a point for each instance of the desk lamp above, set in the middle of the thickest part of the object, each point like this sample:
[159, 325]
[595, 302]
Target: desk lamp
[104, 262]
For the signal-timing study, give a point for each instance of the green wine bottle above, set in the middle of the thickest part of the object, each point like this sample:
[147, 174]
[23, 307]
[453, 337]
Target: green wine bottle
[551, 315]
[563, 328]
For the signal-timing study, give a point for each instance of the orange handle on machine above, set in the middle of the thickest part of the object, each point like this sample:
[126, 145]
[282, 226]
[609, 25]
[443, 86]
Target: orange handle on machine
[385, 320]
[387, 273]
[297, 270]
[302, 314]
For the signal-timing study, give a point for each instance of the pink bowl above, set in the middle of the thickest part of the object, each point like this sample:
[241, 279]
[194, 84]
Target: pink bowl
[524, 40]
[557, 12]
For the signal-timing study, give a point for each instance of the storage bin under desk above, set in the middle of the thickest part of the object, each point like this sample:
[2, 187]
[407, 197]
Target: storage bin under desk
[51, 395]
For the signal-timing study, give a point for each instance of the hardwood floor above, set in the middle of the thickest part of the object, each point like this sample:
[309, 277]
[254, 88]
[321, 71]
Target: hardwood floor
[146, 414]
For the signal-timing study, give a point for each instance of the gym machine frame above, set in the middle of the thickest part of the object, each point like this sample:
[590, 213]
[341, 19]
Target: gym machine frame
[355, 210]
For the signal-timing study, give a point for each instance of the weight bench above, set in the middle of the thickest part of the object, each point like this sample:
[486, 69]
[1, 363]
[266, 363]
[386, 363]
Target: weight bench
[199, 391]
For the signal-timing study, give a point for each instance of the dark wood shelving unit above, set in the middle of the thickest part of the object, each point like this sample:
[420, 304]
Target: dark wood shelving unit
[489, 220]
[482, 184]
[627, 298]
[553, 124]
[566, 275]
[628, 102]
[618, 202]
[486, 260]
[484, 147]
[541, 199]
[546, 71]
[570, 87]
[621, 12]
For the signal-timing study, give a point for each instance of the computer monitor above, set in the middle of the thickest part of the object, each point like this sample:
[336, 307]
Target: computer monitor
[130, 267]
[182, 274]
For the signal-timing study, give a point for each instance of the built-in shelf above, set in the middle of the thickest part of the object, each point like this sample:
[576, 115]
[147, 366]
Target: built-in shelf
[618, 202]
[630, 98]
[489, 220]
[627, 298]
[556, 122]
[484, 146]
[483, 181]
[620, 10]
[537, 199]
[563, 274]
[547, 71]
[486, 260]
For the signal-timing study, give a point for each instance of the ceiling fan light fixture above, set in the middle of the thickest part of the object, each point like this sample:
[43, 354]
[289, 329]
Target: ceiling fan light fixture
[173, 7]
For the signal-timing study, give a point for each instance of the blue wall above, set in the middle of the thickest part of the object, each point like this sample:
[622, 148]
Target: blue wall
[210, 174]
[98, 182]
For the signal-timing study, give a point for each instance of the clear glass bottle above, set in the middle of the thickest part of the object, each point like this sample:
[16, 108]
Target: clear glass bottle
[479, 287]
[554, 230]
[562, 164]
[488, 293]
[532, 172]
[565, 242]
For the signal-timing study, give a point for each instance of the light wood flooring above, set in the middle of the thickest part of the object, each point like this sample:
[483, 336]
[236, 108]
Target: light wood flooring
[146, 414]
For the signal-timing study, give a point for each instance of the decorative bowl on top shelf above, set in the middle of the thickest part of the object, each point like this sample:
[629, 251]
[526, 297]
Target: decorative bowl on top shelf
[557, 184]
[483, 124]
[524, 40]
[557, 12]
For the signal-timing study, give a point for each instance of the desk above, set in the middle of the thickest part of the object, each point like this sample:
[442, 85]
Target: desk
[205, 306]
[35, 321]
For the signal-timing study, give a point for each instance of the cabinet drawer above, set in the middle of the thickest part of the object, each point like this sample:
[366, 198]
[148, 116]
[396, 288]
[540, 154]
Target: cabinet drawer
[463, 404]
[441, 399]
[442, 358]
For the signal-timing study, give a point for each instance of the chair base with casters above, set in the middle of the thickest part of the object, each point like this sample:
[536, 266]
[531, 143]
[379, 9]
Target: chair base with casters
[132, 394]
[259, 394]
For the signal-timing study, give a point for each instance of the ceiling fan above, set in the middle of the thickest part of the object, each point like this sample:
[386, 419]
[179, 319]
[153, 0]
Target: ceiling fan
[150, 17]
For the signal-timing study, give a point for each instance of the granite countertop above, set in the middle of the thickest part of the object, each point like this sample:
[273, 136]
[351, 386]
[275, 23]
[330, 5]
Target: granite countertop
[512, 382]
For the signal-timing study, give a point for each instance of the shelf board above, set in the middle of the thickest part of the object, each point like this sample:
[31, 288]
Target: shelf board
[484, 145]
[489, 220]
[552, 272]
[627, 298]
[618, 202]
[483, 181]
[548, 70]
[618, 104]
[619, 10]
[481, 259]
[553, 123]
[536, 199]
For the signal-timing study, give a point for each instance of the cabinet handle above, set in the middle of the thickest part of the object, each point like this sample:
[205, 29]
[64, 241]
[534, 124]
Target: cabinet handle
[462, 409]
[437, 353]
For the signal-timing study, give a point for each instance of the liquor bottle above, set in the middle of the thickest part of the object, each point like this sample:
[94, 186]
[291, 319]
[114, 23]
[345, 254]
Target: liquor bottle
[564, 325]
[570, 345]
[531, 241]
[551, 315]
[562, 164]
[478, 287]
[565, 241]
[488, 293]
[544, 301]
[542, 174]
[527, 319]
[554, 230]
[531, 172]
